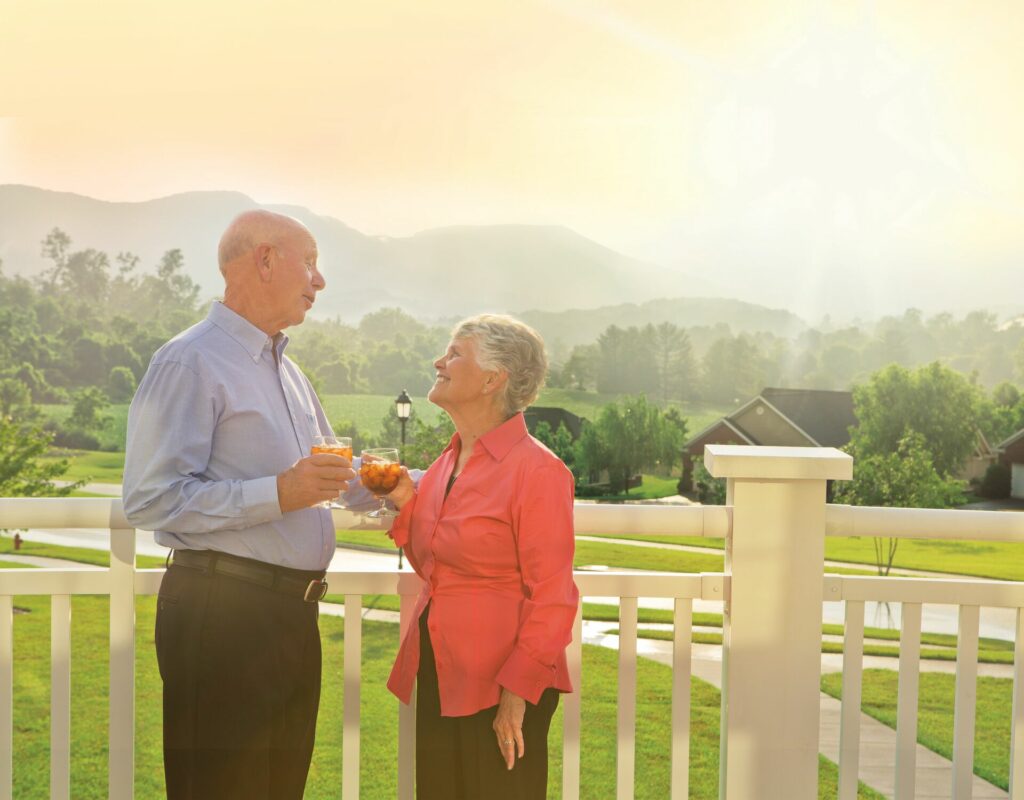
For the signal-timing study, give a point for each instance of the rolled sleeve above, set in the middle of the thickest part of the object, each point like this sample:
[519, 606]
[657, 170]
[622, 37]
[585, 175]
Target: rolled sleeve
[400, 529]
[545, 545]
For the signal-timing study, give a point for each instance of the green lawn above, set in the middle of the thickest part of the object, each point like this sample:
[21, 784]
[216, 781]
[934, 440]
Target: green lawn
[653, 487]
[379, 715]
[998, 656]
[998, 560]
[84, 555]
[590, 553]
[935, 715]
[91, 466]
[367, 411]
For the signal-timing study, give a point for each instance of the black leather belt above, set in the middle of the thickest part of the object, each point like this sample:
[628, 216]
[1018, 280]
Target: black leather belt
[310, 586]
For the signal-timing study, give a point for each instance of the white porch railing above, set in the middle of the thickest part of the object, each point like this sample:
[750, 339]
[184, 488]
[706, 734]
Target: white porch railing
[773, 591]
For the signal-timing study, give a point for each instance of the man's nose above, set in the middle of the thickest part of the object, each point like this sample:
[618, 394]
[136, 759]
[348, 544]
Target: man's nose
[318, 281]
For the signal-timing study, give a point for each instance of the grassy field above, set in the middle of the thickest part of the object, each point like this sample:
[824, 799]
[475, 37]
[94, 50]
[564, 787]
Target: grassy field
[935, 715]
[998, 560]
[999, 656]
[379, 715]
[83, 555]
[92, 466]
[592, 553]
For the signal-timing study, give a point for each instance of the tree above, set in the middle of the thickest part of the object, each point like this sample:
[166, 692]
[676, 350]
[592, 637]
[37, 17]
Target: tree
[904, 477]
[121, 384]
[386, 323]
[23, 473]
[710, 490]
[934, 401]
[558, 442]
[16, 400]
[580, 371]
[428, 441]
[590, 453]
[625, 361]
[87, 410]
[55, 248]
[732, 370]
[673, 355]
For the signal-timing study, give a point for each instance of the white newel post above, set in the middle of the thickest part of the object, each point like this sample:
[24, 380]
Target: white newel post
[771, 653]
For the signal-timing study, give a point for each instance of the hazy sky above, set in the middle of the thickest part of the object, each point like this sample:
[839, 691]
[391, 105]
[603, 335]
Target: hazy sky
[846, 133]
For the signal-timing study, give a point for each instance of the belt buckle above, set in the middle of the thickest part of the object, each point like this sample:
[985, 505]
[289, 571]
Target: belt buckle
[315, 591]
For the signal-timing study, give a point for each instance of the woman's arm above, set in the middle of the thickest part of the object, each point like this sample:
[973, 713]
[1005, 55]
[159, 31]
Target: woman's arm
[543, 528]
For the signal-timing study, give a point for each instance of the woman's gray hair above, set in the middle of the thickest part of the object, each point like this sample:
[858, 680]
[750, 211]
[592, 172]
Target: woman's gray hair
[504, 343]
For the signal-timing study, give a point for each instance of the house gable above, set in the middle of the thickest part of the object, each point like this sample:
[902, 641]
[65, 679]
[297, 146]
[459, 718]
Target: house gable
[769, 426]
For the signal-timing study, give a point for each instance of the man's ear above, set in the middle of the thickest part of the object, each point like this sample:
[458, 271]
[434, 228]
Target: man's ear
[263, 258]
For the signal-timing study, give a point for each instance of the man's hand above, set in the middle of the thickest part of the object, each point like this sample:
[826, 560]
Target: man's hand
[508, 727]
[312, 480]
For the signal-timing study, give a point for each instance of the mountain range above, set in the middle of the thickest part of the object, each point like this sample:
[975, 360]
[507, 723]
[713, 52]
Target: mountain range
[434, 274]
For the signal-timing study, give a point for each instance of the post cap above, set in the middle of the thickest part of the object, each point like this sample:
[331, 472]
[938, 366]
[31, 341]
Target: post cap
[777, 463]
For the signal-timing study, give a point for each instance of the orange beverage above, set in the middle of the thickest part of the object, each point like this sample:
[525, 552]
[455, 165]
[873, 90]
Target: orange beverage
[336, 449]
[338, 445]
[380, 477]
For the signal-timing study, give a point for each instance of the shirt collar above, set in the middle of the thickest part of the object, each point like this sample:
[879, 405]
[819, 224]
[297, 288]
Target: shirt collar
[244, 332]
[500, 440]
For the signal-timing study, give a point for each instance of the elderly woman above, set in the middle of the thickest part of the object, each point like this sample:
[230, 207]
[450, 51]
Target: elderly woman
[490, 531]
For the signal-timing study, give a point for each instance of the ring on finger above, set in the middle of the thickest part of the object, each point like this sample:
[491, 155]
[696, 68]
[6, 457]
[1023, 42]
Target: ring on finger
[506, 741]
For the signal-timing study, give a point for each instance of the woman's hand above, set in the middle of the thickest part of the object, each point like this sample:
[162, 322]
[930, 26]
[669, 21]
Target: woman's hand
[404, 491]
[508, 726]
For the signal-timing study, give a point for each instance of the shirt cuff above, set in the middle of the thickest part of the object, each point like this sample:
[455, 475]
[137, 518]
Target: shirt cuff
[259, 500]
[525, 676]
[399, 532]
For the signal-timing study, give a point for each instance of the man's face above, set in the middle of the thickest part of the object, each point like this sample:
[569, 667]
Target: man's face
[295, 280]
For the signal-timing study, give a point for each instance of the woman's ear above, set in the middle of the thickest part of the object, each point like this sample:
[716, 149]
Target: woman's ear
[496, 380]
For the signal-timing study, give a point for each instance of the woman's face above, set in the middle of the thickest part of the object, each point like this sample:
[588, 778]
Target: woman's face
[460, 380]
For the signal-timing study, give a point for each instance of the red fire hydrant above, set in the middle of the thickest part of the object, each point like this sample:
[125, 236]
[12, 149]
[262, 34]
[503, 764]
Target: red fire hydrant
[17, 540]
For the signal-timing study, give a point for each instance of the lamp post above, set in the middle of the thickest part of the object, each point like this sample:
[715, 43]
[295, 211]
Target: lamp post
[403, 408]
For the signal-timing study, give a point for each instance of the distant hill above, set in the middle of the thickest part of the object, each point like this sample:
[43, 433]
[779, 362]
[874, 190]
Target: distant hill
[582, 326]
[436, 273]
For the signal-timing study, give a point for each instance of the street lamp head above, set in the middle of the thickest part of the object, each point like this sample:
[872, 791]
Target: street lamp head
[403, 405]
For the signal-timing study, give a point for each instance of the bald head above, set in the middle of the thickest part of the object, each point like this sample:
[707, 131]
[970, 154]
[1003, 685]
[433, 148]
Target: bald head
[269, 264]
[252, 228]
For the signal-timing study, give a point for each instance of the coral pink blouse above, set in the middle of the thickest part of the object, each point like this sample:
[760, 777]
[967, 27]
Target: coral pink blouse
[496, 558]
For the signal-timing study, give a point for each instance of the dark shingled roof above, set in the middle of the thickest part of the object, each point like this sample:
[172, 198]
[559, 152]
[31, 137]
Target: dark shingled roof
[825, 416]
[554, 417]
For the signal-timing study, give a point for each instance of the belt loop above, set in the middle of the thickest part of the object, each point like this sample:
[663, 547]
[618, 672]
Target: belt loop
[211, 567]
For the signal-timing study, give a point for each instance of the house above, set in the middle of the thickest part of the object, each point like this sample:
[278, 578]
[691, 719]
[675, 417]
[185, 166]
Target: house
[780, 417]
[554, 417]
[983, 457]
[1011, 453]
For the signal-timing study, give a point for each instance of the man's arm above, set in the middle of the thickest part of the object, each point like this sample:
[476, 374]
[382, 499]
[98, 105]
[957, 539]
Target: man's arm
[171, 425]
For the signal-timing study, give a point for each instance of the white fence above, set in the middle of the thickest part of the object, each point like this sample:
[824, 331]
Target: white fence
[774, 525]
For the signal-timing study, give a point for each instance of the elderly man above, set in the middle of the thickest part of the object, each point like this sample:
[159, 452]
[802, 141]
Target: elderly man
[217, 464]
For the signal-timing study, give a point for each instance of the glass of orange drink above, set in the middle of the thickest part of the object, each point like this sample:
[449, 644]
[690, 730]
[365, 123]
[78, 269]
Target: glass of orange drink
[380, 471]
[339, 446]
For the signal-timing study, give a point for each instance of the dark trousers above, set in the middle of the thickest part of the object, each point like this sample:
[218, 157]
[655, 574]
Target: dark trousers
[457, 758]
[241, 672]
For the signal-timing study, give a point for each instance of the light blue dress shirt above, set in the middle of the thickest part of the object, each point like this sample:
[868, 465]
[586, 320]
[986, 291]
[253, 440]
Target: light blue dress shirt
[220, 412]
